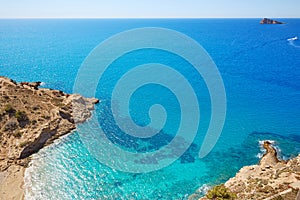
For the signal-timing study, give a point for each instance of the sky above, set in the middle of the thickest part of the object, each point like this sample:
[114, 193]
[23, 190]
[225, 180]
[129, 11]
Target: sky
[149, 8]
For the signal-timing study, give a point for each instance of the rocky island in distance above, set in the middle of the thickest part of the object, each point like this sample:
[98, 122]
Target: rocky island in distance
[30, 119]
[270, 21]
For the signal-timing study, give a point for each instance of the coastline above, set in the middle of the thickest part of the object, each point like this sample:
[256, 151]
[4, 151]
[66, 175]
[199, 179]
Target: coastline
[283, 177]
[270, 179]
[31, 119]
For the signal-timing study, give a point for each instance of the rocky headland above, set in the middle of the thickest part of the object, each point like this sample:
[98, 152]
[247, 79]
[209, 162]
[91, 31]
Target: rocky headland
[270, 179]
[30, 119]
[270, 21]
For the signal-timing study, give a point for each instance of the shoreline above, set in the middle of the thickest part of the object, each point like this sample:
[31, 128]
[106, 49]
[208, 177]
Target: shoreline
[32, 118]
[16, 176]
[271, 178]
[65, 110]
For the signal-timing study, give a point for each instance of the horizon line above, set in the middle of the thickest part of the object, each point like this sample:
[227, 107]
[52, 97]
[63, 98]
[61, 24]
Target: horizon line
[149, 17]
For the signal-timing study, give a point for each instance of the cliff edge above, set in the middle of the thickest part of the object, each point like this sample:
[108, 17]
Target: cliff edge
[30, 119]
[270, 179]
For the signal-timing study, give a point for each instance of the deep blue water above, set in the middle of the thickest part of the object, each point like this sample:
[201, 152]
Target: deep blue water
[261, 74]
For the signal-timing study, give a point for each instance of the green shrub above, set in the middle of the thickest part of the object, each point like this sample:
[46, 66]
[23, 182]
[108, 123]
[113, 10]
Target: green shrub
[21, 116]
[9, 109]
[10, 126]
[35, 107]
[46, 117]
[17, 134]
[220, 192]
[278, 198]
[23, 144]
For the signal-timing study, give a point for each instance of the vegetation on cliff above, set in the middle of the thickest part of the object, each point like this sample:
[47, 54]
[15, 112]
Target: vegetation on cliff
[31, 118]
[220, 192]
[270, 179]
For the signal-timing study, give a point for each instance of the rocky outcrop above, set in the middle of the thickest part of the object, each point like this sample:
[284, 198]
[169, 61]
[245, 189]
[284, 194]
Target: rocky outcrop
[270, 21]
[82, 107]
[32, 117]
[270, 157]
[270, 179]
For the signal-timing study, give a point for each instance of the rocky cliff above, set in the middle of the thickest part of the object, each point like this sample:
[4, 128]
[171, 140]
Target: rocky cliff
[31, 118]
[270, 179]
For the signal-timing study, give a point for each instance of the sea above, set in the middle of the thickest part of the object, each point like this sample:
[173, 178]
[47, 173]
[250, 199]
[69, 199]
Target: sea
[260, 71]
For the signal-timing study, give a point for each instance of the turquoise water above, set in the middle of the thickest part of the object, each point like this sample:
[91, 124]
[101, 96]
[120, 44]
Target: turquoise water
[260, 70]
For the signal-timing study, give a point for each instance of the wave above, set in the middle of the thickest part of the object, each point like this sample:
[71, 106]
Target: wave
[42, 84]
[293, 42]
[292, 39]
[28, 182]
[203, 189]
[33, 189]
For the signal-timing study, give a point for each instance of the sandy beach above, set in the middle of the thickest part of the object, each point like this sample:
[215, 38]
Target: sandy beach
[12, 183]
[32, 118]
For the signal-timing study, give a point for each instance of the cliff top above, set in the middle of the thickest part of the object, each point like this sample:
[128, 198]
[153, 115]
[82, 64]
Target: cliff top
[31, 118]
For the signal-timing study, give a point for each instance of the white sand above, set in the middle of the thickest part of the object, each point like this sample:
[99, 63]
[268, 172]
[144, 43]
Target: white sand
[11, 183]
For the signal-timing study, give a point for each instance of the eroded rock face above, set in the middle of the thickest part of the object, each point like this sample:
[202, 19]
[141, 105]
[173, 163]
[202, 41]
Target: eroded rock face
[270, 179]
[82, 107]
[31, 118]
[270, 21]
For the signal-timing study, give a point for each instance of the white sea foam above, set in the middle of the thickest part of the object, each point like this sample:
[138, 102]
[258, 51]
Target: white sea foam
[263, 150]
[203, 189]
[43, 83]
[34, 191]
[294, 42]
[28, 183]
[293, 39]
[259, 155]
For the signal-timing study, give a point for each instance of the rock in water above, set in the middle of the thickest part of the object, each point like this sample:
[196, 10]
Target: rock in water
[270, 21]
